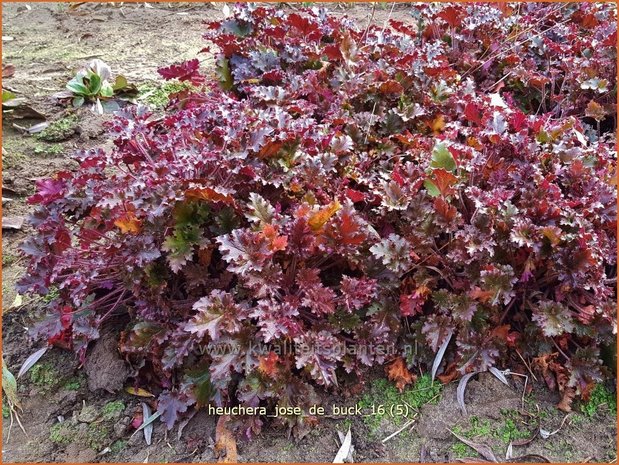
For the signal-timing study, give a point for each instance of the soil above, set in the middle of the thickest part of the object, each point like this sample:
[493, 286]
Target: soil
[83, 414]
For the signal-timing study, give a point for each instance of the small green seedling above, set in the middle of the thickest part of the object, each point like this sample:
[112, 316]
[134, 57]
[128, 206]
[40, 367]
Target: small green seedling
[9, 386]
[93, 84]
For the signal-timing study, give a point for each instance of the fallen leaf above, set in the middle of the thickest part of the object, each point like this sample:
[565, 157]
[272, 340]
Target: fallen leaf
[26, 112]
[529, 458]
[344, 450]
[449, 374]
[461, 388]
[138, 392]
[75, 5]
[441, 353]
[567, 397]
[481, 449]
[38, 127]
[398, 372]
[147, 422]
[225, 444]
[8, 71]
[148, 430]
[31, 360]
[12, 222]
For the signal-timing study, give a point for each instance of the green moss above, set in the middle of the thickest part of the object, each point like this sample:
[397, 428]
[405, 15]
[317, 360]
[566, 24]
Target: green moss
[510, 431]
[505, 431]
[288, 447]
[97, 437]
[12, 159]
[478, 428]
[346, 424]
[58, 130]
[383, 393]
[8, 259]
[157, 95]
[73, 384]
[44, 376]
[461, 450]
[112, 409]
[6, 411]
[560, 448]
[62, 433]
[118, 446]
[600, 397]
[48, 149]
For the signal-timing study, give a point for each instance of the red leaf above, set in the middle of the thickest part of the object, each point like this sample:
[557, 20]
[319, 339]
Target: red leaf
[316, 296]
[412, 304]
[332, 52]
[354, 195]
[472, 113]
[444, 181]
[347, 229]
[185, 71]
[452, 15]
[308, 29]
[446, 211]
[391, 87]
[48, 190]
[397, 177]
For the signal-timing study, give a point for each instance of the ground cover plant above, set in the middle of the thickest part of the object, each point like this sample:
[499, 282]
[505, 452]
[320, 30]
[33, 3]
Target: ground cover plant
[339, 198]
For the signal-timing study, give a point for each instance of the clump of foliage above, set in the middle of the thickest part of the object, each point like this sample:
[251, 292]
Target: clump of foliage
[344, 196]
[94, 84]
[600, 396]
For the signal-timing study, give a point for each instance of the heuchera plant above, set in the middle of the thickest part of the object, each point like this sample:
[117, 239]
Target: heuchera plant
[338, 197]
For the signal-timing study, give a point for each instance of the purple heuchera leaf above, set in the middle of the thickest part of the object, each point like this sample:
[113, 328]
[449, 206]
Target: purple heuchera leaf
[171, 404]
[319, 353]
[320, 299]
[218, 313]
[185, 71]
